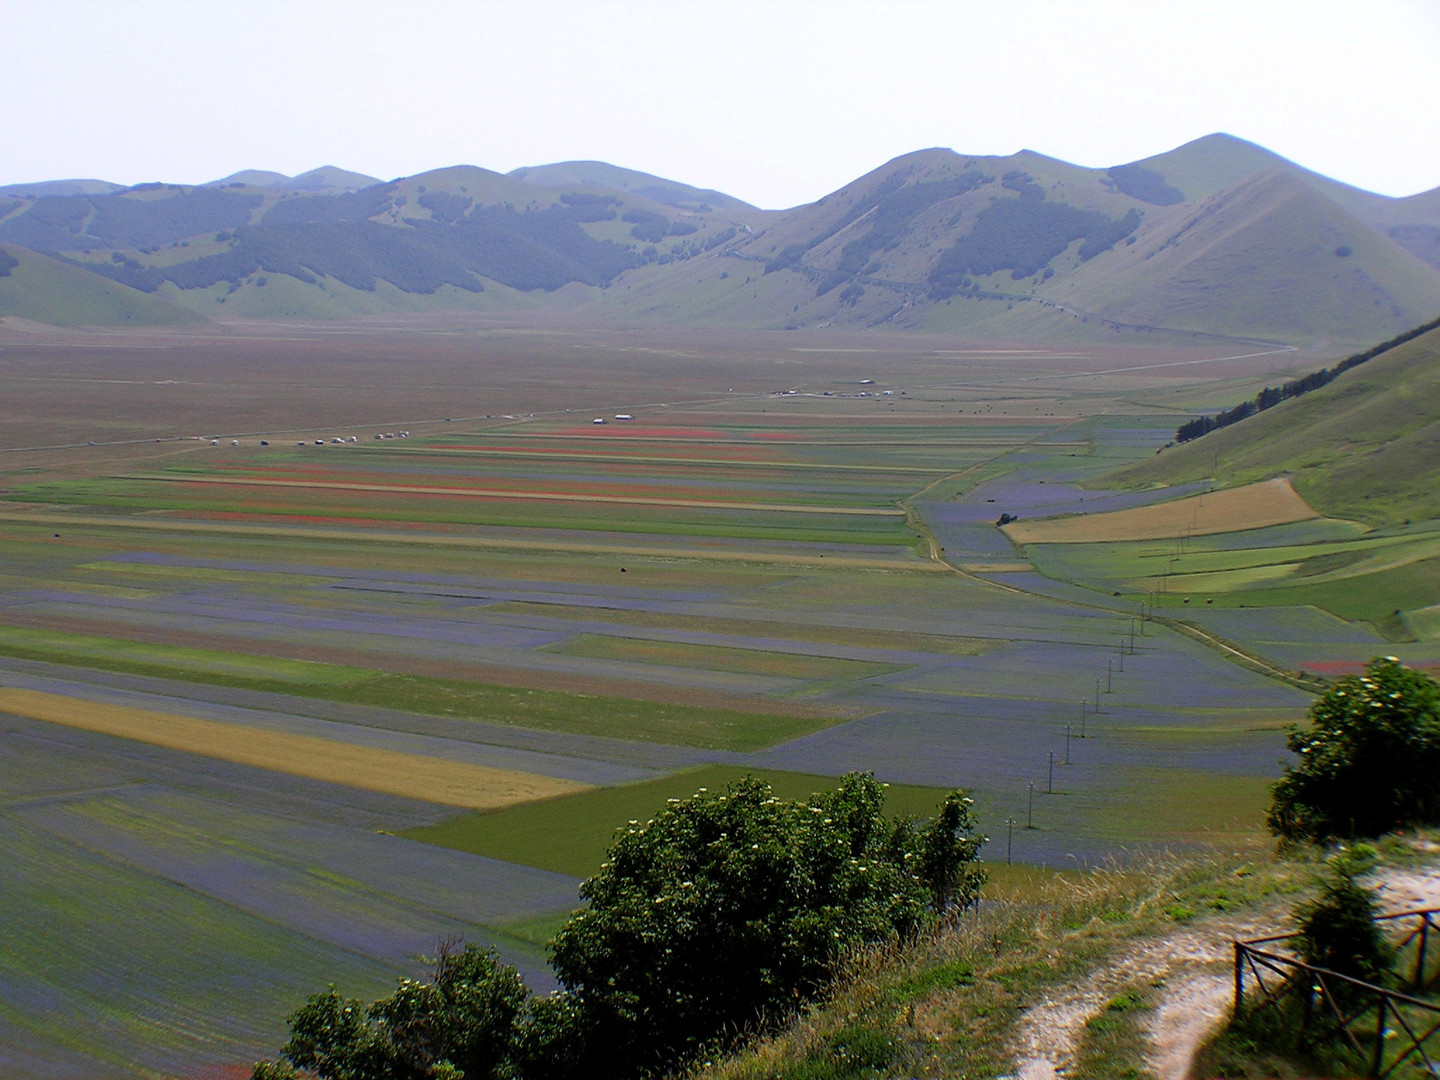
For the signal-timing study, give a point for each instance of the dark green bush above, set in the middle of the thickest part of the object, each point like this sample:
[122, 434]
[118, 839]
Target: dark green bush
[1338, 930]
[466, 1021]
[1368, 760]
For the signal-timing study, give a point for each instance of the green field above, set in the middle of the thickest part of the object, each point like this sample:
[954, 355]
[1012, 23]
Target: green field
[542, 710]
[571, 835]
[1368, 576]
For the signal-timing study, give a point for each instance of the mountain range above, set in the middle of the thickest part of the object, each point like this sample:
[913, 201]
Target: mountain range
[1219, 236]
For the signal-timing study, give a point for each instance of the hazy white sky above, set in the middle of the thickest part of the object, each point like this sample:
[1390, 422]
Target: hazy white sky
[775, 101]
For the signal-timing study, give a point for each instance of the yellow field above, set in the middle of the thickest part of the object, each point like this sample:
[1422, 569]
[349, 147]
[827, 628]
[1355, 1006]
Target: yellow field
[1255, 506]
[412, 776]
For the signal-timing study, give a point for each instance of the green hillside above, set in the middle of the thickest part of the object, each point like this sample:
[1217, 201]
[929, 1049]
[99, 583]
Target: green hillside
[601, 174]
[432, 241]
[61, 187]
[40, 289]
[1209, 165]
[1366, 447]
[1270, 254]
[1029, 245]
[1218, 237]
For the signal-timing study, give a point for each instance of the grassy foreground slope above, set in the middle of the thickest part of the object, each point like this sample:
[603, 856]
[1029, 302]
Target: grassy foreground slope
[1366, 447]
[1110, 973]
[41, 289]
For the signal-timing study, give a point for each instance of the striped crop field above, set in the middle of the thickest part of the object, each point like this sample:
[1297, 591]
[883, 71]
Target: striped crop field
[863, 637]
[408, 775]
[784, 665]
[273, 715]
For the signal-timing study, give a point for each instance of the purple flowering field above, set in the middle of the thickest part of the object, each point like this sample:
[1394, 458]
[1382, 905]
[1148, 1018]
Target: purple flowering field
[170, 908]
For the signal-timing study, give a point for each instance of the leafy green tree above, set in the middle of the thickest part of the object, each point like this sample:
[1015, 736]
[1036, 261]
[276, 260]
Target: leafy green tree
[465, 1022]
[1368, 762]
[727, 911]
[949, 852]
[718, 917]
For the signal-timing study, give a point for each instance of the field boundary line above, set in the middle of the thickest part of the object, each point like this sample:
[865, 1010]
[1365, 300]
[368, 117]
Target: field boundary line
[299, 532]
[498, 493]
[393, 772]
[655, 459]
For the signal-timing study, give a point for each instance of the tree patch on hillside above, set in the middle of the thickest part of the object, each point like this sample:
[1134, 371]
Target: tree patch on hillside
[539, 249]
[1022, 235]
[588, 207]
[893, 215]
[647, 225]
[77, 222]
[351, 206]
[445, 206]
[1143, 184]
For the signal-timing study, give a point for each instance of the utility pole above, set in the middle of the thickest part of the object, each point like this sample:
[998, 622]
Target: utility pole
[1030, 810]
[1082, 718]
[1067, 744]
[1097, 694]
[1009, 837]
[1122, 652]
[1050, 787]
[1109, 675]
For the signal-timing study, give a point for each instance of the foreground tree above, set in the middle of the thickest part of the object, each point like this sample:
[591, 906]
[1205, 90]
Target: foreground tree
[717, 918]
[465, 1022]
[727, 911]
[1368, 762]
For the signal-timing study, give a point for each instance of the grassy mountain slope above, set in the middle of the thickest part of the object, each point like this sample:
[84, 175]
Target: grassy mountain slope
[329, 178]
[326, 179]
[1365, 447]
[262, 178]
[428, 241]
[1028, 244]
[1209, 165]
[40, 289]
[61, 187]
[1025, 245]
[600, 174]
[1270, 254]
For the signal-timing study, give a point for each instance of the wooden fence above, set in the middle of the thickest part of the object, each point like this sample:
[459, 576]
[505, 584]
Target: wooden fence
[1383, 1028]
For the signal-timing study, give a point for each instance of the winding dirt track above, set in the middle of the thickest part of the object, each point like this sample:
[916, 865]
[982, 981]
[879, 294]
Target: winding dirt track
[1194, 965]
